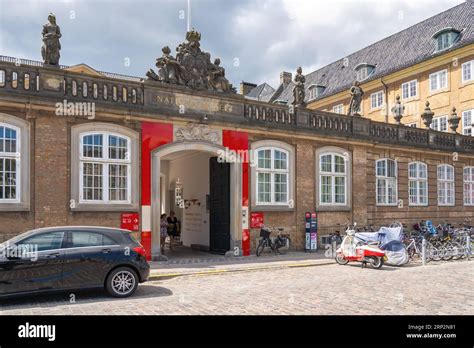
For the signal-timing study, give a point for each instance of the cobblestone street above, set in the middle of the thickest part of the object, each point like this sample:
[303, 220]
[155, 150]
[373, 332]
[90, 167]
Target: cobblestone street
[445, 288]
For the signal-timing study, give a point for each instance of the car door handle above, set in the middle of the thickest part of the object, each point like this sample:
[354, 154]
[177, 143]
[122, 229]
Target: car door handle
[52, 256]
[106, 251]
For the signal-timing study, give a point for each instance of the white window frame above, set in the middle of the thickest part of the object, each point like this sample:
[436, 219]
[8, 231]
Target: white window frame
[338, 109]
[386, 179]
[17, 157]
[412, 125]
[313, 92]
[409, 87]
[466, 127]
[436, 123]
[272, 171]
[437, 75]
[442, 184]
[105, 161]
[468, 185]
[376, 97]
[417, 179]
[469, 64]
[333, 174]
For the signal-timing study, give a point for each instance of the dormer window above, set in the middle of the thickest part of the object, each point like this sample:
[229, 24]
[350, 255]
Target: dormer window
[445, 38]
[364, 70]
[315, 91]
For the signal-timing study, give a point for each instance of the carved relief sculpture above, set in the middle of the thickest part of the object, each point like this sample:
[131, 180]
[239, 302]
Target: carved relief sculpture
[51, 45]
[194, 132]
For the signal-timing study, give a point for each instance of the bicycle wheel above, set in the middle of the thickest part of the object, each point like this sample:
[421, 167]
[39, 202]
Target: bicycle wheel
[448, 252]
[433, 253]
[458, 250]
[261, 246]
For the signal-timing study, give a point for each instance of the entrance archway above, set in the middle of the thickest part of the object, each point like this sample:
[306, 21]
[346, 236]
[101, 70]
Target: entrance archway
[235, 189]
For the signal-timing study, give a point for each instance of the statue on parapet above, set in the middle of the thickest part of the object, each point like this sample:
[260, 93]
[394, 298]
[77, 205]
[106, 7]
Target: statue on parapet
[356, 99]
[51, 45]
[217, 79]
[191, 67]
[169, 69]
[298, 90]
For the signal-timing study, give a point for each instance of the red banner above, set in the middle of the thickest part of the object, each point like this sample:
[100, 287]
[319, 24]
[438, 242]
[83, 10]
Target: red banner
[256, 220]
[130, 221]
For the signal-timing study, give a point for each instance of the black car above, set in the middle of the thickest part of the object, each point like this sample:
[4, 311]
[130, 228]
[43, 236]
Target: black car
[66, 258]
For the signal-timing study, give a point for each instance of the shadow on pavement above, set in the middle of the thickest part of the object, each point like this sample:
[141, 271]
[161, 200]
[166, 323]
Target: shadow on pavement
[78, 296]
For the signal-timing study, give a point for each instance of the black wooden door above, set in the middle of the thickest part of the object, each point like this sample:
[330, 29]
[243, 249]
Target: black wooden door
[219, 206]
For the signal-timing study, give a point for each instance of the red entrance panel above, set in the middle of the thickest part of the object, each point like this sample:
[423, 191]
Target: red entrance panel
[234, 140]
[153, 135]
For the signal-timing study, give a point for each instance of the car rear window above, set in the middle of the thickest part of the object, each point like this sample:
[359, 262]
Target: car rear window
[129, 237]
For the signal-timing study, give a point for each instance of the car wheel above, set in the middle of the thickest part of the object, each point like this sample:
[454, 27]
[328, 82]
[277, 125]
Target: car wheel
[121, 282]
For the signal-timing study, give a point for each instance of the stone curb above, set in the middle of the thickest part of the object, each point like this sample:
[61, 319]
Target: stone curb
[159, 275]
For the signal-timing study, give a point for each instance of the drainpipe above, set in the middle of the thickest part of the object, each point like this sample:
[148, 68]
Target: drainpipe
[386, 99]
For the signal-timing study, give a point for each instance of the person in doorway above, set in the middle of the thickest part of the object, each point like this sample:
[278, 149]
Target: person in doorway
[173, 227]
[163, 231]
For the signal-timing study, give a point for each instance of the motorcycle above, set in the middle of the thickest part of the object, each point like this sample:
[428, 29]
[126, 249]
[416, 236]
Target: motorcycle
[353, 249]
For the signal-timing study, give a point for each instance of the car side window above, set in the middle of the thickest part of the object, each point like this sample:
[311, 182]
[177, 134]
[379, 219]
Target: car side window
[89, 239]
[43, 241]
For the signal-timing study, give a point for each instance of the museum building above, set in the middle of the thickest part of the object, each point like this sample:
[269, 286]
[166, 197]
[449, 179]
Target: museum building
[85, 147]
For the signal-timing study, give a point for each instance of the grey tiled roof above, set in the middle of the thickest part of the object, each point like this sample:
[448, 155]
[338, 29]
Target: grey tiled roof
[398, 51]
[260, 92]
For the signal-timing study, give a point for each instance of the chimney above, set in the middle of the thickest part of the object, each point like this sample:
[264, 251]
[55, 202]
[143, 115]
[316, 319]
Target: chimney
[246, 87]
[285, 78]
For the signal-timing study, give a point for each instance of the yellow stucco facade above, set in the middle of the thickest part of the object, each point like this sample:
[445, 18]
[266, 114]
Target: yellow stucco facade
[457, 93]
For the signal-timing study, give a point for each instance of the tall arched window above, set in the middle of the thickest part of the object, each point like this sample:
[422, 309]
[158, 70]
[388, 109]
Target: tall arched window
[332, 179]
[468, 185]
[446, 188]
[386, 182]
[105, 168]
[272, 174]
[418, 183]
[9, 163]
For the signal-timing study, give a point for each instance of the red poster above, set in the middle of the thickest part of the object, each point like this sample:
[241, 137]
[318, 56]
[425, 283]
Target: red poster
[256, 220]
[130, 221]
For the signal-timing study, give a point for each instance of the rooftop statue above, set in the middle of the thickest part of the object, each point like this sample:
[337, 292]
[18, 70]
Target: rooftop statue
[356, 99]
[51, 45]
[191, 67]
[298, 90]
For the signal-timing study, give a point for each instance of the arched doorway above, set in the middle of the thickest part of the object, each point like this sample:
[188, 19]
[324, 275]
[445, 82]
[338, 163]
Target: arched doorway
[217, 227]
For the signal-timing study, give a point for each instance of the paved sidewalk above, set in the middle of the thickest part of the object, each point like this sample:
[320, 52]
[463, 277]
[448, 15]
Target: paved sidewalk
[163, 269]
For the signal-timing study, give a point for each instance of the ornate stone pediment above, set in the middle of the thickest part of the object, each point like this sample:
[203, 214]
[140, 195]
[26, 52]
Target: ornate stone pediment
[200, 132]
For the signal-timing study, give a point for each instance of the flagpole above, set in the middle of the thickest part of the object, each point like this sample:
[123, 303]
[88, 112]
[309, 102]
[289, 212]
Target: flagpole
[189, 15]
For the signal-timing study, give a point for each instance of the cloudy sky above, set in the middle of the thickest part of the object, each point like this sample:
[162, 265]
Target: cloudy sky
[255, 39]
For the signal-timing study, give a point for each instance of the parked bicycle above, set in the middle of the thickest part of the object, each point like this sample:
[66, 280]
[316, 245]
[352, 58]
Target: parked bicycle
[281, 240]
